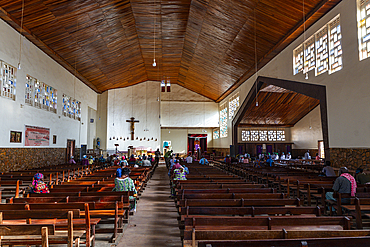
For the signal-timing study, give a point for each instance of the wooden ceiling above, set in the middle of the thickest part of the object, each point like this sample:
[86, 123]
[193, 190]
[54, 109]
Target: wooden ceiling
[206, 46]
[277, 107]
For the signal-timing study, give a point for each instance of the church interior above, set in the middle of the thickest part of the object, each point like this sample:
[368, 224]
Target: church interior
[235, 82]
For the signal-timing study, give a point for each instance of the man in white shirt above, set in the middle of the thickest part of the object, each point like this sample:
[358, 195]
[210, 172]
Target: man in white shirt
[146, 162]
[282, 156]
[288, 156]
[276, 156]
[189, 159]
[307, 155]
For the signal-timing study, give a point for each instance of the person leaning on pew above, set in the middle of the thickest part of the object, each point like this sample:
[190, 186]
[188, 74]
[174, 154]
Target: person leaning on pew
[345, 183]
[327, 171]
[38, 185]
[124, 183]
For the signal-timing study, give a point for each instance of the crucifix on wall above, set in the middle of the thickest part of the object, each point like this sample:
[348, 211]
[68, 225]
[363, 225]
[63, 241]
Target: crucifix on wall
[132, 121]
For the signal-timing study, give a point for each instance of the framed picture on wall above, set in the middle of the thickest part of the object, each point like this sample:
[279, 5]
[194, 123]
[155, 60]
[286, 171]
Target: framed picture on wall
[15, 137]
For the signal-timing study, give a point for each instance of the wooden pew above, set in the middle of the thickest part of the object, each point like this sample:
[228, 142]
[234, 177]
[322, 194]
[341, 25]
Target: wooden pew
[237, 202]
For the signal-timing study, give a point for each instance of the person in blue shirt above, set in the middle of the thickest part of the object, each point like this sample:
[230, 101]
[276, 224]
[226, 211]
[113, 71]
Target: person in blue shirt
[203, 161]
[270, 160]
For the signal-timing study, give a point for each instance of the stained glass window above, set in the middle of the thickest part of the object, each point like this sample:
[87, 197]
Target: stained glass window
[322, 58]
[363, 25]
[246, 135]
[309, 54]
[71, 107]
[233, 105]
[8, 80]
[298, 59]
[223, 121]
[30, 82]
[216, 134]
[335, 45]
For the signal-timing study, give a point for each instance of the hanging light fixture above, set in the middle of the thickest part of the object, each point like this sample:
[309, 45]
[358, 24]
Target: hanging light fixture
[255, 55]
[20, 37]
[154, 63]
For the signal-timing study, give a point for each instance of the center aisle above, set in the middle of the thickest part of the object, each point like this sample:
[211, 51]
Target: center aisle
[155, 222]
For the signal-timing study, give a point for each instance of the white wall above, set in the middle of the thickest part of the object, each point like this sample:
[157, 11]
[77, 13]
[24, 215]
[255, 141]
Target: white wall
[348, 90]
[305, 137]
[139, 101]
[37, 64]
[179, 138]
[91, 128]
[184, 108]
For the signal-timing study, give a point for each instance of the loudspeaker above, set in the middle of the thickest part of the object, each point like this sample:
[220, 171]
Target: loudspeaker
[83, 151]
[232, 151]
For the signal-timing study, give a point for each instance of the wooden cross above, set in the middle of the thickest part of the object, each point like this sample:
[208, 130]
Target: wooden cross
[132, 121]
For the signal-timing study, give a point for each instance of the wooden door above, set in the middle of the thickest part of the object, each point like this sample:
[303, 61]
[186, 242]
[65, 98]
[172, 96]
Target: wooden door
[70, 149]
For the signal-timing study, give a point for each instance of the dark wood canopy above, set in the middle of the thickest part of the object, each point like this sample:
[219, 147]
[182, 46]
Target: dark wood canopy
[205, 46]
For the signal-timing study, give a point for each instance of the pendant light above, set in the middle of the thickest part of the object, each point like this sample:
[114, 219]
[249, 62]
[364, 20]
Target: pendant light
[20, 37]
[154, 63]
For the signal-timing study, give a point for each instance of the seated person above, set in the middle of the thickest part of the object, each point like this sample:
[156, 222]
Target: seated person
[227, 159]
[282, 157]
[132, 160]
[345, 183]
[276, 156]
[362, 177]
[124, 183]
[203, 161]
[146, 162]
[269, 161]
[72, 161]
[38, 185]
[328, 171]
[178, 174]
[139, 162]
[91, 160]
[175, 165]
[123, 162]
[84, 160]
[288, 156]
[189, 159]
[101, 159]
[317, 157]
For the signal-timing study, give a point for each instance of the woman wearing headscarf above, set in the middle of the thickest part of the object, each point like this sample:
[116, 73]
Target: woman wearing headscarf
[124, 183]
[179, 173]
[38, 185]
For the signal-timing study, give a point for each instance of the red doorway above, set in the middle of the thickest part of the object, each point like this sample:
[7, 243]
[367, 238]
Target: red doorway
[197, 142]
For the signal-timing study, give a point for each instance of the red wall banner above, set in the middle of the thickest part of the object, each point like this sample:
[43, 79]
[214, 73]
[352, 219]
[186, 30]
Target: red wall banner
[36, 136]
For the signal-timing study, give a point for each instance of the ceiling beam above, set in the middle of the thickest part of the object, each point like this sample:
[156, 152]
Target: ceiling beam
[41, 45]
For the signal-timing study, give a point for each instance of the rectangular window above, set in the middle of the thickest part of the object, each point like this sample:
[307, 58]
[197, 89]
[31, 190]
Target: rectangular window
[298, 60]
[71, 108]
[216, 134]
[263, 135]
[309, 54]
[335, 45]
[246, 135]
[8, 80]
[223, 121]
[40, 95]
[363, 28]
[233, 105]
[322, 57]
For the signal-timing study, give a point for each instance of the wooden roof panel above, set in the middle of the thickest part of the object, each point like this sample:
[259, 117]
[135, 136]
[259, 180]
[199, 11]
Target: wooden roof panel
[206, 46]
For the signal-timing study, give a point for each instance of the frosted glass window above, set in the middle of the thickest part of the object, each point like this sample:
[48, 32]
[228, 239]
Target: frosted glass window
[363, 28]
[8, 80]
[335, 45]
[263, 135]
[322, 57]
[246, 135]
[254, 135]
[280, 135]
[233, 105]
[309, 54]
[272, 135]
[298, 60]
[223, 121]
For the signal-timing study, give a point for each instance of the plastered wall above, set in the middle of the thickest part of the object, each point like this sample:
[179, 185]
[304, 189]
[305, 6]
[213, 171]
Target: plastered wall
[15, 114]
[347, 90]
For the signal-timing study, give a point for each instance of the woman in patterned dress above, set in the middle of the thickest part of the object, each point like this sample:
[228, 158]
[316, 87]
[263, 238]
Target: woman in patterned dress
[178, 174]
[38, 185]
[124, 183]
